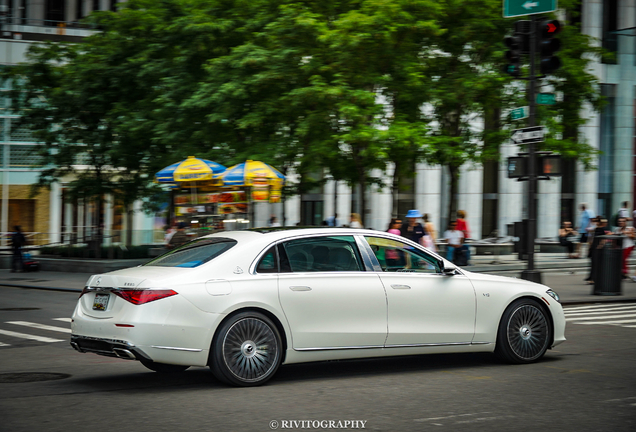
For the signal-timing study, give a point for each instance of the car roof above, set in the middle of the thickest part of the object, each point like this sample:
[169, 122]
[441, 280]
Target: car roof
[273, 234]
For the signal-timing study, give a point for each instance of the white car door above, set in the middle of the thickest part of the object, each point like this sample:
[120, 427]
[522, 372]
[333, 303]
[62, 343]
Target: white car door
[330, 301]
[424, 306]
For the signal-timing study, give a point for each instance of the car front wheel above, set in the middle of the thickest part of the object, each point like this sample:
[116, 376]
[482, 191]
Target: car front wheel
[247, 350]
[524, 332]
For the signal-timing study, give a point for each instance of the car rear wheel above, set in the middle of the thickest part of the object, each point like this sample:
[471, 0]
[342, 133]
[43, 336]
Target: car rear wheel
[524, 332]
[247, 350]
[163, 367]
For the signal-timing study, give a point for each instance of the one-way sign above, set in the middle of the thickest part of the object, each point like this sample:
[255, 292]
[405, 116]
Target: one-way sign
[528, 135]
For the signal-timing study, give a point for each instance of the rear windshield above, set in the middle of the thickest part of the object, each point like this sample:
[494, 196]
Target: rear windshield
[193, 254]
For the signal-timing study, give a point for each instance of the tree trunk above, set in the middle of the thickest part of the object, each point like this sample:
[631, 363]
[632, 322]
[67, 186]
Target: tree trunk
[454, 186]
[395, 190]
[129, 225]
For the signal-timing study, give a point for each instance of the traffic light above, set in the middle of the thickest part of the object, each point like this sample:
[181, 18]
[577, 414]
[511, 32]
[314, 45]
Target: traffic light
[549, 45]
[513, 55]
[517, 44]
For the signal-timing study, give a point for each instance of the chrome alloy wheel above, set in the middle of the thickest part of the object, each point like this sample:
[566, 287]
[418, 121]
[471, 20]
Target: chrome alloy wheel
[528, 332]
[250, 349]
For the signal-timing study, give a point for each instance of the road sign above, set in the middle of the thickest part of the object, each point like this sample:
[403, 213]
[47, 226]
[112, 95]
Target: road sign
[546, 98]
[513, 8]
[520, 113]
[528, 135]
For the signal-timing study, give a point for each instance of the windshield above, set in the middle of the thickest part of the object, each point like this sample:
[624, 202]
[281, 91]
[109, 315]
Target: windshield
[193, 254]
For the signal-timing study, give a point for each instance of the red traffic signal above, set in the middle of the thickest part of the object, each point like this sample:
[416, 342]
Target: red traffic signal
[549, 28]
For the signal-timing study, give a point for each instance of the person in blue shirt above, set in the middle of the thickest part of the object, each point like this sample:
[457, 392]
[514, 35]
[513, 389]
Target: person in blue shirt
[333, 221]
[586, 218]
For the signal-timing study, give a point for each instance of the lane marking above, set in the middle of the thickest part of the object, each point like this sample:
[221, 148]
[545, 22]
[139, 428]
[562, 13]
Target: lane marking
[68, 320]
[28, 336]
[605, 317]
[449, 417]
[590, 307]
[40, 326]
[618, 309]
[4, 344]
[608, 322]
[598, 313]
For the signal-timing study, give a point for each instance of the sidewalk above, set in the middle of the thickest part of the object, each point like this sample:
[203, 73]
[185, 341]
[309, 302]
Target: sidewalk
[563, 275]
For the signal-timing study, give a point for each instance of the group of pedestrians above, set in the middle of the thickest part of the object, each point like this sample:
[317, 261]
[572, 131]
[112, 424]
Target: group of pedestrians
[425, 234]
[592, 229]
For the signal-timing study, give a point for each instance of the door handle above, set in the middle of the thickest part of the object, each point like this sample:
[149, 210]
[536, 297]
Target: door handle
[300, 288]
[398, 286]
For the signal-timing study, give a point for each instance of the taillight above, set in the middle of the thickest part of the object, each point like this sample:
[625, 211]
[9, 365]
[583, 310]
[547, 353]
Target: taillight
[141, 296]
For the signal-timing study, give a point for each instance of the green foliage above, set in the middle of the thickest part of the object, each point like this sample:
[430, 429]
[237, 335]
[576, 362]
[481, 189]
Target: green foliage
[346, 87]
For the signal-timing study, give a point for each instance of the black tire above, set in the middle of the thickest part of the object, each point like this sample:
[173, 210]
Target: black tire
[524, 332]
[246, 350]
[163, 367]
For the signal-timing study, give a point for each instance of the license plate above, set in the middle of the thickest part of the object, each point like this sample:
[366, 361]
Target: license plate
[101, 302]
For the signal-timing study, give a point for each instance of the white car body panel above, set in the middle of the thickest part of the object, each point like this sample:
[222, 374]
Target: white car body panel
[342, 315]
[429, 308]
[326, 310]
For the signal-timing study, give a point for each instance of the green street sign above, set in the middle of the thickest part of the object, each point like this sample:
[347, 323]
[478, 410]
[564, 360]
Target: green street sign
[513, 8]
[546, 99]
[520, 113]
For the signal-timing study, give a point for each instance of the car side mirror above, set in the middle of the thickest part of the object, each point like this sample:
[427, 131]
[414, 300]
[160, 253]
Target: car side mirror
[449, 269]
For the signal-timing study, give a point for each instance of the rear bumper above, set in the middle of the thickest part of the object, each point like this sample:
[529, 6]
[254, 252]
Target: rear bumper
[108, 347]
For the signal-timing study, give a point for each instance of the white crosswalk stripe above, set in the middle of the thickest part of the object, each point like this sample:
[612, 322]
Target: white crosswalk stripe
[40, 326]
[34, 326]
[29, 336]
[623, 315]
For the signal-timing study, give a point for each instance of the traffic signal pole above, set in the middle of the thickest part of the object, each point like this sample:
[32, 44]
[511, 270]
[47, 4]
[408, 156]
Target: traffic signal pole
[530, 273]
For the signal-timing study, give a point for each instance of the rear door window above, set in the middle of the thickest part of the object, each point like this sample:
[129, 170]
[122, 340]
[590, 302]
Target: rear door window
[323, 254]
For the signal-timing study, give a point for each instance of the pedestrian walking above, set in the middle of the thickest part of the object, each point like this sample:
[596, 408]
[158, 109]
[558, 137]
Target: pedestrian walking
[462, 225]
[629, 235]
[355, 221]
[392, 256]
[179, 238]
[273, 222]
[584, 227]
[623, 212]
[17, 242]
[428, 241]
[566, 234]
[332, 221]
[454, 239]
[412, 229]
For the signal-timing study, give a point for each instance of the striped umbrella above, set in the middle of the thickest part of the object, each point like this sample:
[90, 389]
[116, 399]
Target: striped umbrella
[189, 170]
[244, 173]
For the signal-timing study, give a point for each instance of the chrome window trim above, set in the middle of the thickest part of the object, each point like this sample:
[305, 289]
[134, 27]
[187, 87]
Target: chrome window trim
[177, 348]
[394, 346]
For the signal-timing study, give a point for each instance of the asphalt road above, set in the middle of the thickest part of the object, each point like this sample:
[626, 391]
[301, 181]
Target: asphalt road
[586, 384]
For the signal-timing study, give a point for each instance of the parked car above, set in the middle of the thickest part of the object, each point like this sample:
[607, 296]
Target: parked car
[245, 302]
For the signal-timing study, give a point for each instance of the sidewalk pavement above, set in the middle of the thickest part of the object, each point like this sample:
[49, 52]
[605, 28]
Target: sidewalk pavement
[563, 275]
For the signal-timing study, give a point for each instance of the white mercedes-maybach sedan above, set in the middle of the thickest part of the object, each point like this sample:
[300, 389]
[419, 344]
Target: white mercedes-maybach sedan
[245, 302]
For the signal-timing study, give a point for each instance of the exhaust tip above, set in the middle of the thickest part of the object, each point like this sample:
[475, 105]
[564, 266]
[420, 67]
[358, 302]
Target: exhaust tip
[124, 354]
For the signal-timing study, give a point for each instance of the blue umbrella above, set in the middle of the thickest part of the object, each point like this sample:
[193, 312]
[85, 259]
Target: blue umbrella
[190, 169]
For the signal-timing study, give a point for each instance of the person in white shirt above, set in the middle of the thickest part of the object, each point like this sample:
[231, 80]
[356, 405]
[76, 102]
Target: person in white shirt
[629, 235]
[455, 239]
